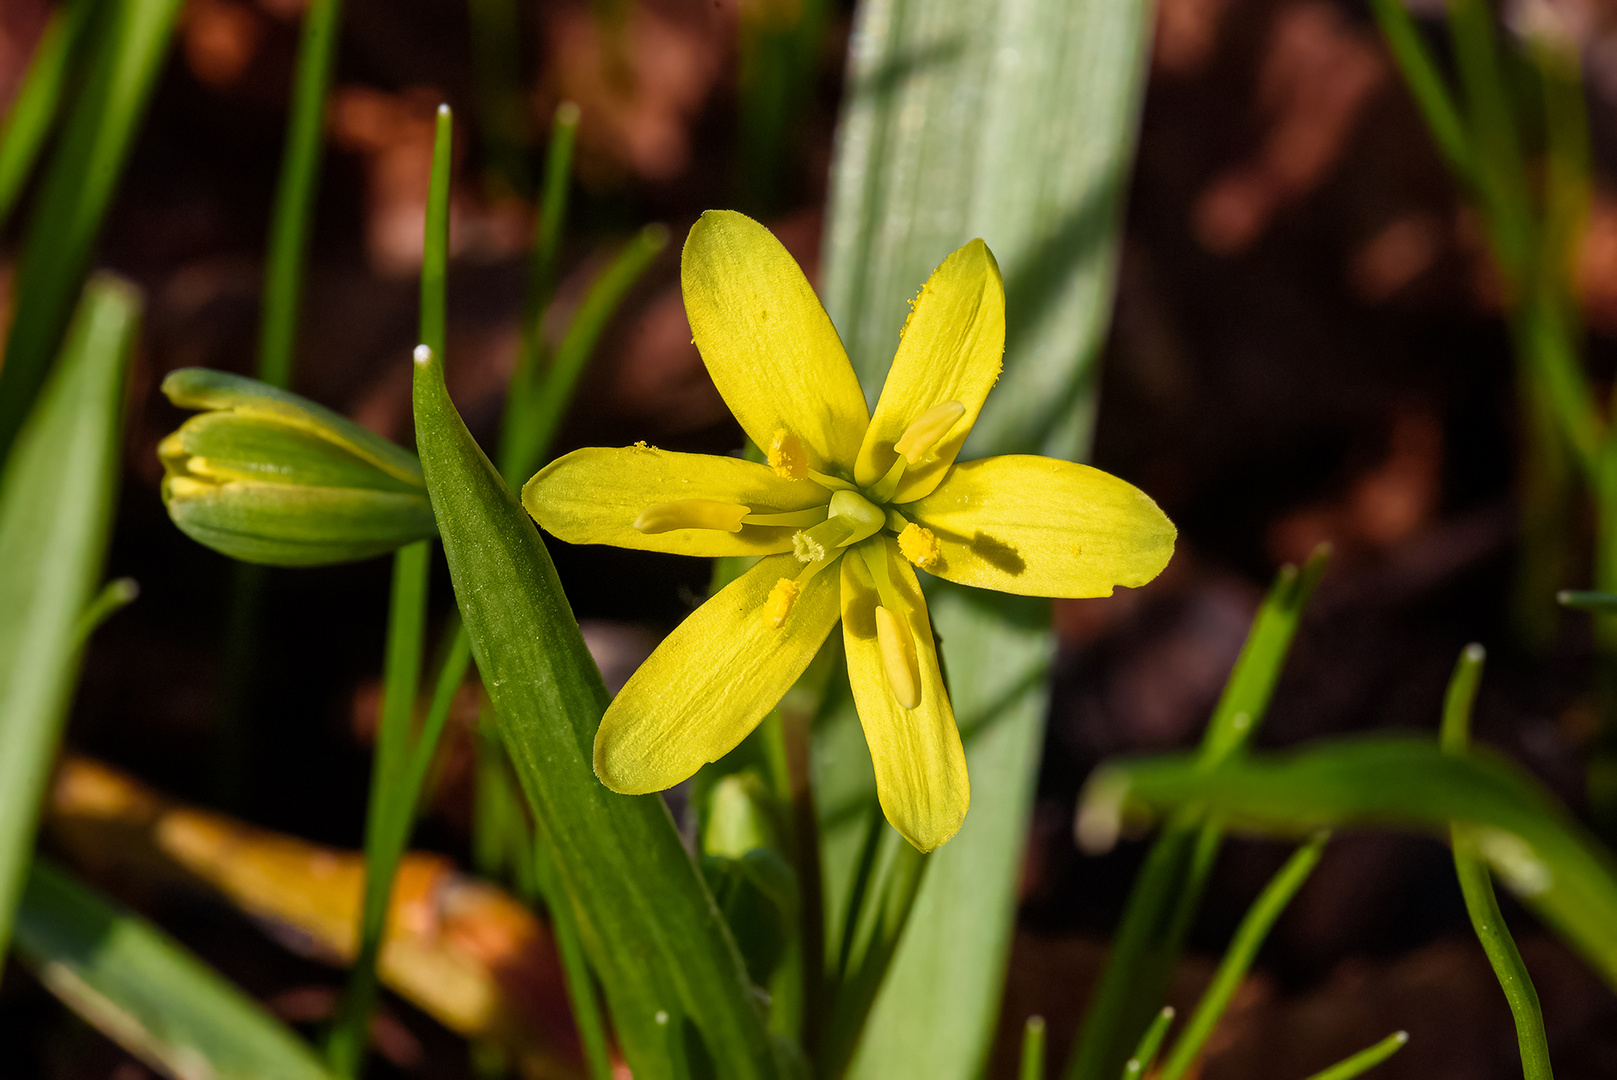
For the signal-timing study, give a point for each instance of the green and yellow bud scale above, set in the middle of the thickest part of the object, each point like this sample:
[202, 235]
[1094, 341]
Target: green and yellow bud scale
[268, 477]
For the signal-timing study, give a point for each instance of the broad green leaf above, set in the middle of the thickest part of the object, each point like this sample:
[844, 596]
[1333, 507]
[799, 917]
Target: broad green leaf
[1013, 121]
[1396, 781]
[56, 500]
[675, 985]
[131, 41]
[146, 992]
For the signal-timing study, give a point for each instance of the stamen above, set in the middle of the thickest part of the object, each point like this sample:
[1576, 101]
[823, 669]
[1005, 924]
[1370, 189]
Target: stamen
[800, 519]
[898, 658]
[781, 599]
[692, 514]
[888, 484]
[919, 546]
[786, 456]
[928, 429]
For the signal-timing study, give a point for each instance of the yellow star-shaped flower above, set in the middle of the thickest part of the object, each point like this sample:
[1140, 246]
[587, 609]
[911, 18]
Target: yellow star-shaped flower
[883, 490]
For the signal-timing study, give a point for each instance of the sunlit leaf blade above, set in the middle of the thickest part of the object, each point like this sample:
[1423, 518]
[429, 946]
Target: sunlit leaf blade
[1365, 1059]
[56, 500]
[1405, 782]
[75, 193]
[146, 992]
[674, 983]
[1032, 160]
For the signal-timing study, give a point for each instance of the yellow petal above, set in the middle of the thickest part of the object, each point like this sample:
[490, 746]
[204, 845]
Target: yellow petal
[1037, 526]
[767, 342]
[920, 765]
[595, 496]
[711, 680]
[950, 352]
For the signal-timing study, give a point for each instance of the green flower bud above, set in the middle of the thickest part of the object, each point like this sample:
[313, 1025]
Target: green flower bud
[265, 476]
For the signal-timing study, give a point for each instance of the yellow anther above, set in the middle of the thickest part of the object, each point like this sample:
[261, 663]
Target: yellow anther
[928, 429]
[692, 514]
[898, 658]
[781, 599]
[786, 456]
[919, 546]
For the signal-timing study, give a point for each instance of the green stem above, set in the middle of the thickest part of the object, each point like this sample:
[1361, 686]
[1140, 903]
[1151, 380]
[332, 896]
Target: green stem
[294, 193]
[575, 967]
[1477, 887]
[1426, 85]
[396, 770]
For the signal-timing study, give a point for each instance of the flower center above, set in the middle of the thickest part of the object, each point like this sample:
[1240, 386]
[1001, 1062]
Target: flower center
[852, 518]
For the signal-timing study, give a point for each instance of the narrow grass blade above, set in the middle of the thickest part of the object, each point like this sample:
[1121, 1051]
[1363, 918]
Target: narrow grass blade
[1145, 1053]
[1389, 781]
[1033, 161]
[1477, 886]
[114, 596]
[673, 981]
[75, 193]
[33, 110]
[397, 767]
[1426, 84]
[148, 993]
[581, 995]
[1365, 1059]
[541, 286]
[496, 37]
[1243, 949]
[1168, 890]
[291, 223]
[1587, 601]
[56, 502]
[529, 435]
[1032, 1063]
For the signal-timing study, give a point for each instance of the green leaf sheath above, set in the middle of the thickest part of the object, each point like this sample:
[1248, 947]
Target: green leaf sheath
[33, 111]
[1168, 890]
[1477, 886]
[56, 501]
[75, 192]
[146, 992]
[674, 983]
[291, 223]
[1401, 782]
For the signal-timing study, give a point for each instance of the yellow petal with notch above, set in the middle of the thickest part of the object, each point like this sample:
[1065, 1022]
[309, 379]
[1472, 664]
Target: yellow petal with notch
[1037, 526]
[920, 764]
[767, 343]
[710, 681]
[950, 351]
[595, 496]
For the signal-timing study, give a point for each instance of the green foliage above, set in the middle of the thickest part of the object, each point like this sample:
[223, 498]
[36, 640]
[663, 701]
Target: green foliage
[131, 40]
[146, 992]
[1365, 1059]
[56, 501]
[1169, 888]
[295, 191]
[1477, 886]
[1396, 781]
[677, 990]
[268, 477]
[33, 111]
